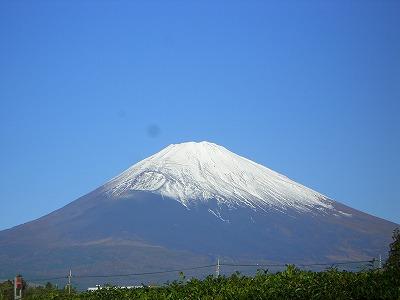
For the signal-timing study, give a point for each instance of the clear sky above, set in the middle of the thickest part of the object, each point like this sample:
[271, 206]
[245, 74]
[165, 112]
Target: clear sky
[310, 89]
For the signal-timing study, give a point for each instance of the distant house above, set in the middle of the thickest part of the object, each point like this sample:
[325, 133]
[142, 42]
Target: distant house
[99, 287]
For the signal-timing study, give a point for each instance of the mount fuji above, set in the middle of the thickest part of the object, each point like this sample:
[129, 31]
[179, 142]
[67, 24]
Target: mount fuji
[185, 206]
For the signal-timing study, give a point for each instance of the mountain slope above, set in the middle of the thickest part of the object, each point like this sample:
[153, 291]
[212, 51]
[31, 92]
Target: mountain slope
[185, 206]
[193, 172]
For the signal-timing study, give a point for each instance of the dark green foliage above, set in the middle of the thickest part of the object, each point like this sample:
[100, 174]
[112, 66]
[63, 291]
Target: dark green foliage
[292, 283]
[393, 261]
[6, 290]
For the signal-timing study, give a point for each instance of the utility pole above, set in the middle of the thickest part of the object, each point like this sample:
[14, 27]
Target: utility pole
[18, 288]
[380, 261]
[69, 281]
[218, 267]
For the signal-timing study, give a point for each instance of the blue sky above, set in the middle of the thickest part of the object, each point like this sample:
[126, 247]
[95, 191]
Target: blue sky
[310, 89]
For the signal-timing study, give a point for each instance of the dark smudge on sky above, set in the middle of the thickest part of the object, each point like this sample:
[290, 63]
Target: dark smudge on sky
[153, 130]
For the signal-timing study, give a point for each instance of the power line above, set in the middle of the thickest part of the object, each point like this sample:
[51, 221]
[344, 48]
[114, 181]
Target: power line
[46, 279]
[122, 275]
[199, 267]
[252, 265]
[299, 265]
[338, 263]
[145, 273]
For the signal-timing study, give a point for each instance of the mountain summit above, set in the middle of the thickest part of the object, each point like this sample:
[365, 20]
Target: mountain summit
[191, 172]
[185, 206]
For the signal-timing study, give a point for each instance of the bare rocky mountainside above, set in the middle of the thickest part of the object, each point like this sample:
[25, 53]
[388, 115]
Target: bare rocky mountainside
[185, 206]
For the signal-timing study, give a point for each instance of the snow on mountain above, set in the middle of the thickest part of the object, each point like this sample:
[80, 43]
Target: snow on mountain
[192, 172]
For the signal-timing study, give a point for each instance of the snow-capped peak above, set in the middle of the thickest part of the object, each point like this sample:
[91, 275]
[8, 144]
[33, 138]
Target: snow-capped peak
[192, 172]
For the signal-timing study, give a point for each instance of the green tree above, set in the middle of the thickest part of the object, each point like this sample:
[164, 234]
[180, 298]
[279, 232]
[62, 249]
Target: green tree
[393, 261]
[6, 290]
[49, 286]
